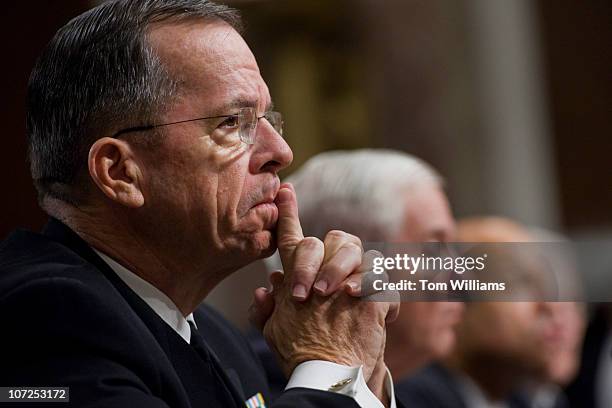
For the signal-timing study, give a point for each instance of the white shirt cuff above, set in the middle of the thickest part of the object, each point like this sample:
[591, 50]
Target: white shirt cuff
[341, 379]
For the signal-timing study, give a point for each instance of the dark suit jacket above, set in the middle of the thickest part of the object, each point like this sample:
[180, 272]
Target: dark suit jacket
[431, 387]
[581, 392]
[68, 320]
[436, 387]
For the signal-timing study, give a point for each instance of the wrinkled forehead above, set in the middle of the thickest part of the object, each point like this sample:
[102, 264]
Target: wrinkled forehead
[209, 58]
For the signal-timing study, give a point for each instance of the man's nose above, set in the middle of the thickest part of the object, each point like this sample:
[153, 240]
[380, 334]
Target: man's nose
[271, 152]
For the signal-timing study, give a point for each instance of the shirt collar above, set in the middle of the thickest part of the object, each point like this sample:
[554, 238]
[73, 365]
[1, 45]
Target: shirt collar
[155, 298]
[475, 396]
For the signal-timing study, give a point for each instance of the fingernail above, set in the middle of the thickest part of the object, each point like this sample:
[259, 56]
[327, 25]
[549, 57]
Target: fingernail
[353, 286]
[321, 286]
[299, 291]
[283, 195]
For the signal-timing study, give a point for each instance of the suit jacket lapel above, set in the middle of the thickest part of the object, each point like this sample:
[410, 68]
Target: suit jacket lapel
[195, 374]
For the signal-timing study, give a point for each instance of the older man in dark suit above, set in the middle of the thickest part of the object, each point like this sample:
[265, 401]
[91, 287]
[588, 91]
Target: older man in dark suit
[155, 150]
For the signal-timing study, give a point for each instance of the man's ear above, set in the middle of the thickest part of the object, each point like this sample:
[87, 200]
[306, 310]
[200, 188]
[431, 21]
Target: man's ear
[113, 168]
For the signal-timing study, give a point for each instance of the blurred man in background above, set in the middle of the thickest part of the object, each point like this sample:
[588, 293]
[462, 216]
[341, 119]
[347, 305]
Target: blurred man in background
[569, 321]
[502, 346]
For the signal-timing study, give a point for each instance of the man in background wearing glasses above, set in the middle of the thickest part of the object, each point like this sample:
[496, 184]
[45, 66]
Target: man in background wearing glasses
[155, 150]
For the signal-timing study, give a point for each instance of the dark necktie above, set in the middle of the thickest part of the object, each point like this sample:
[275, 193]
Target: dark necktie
[198, 343]
[222, 380]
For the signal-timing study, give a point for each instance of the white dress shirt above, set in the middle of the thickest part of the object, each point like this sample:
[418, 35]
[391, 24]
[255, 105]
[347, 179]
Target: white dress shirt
[315, 374]
[474, 396]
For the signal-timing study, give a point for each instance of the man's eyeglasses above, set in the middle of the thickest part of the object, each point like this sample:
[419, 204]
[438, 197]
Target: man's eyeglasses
[244, 122]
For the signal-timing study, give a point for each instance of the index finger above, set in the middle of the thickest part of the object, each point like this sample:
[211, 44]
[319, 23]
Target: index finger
[288, 229]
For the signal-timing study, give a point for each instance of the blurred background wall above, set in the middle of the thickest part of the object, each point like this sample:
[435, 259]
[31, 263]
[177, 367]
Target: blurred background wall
[510, 100]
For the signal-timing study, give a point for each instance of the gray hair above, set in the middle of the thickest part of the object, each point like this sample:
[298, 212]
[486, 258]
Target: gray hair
[361, 192]
[98, 73]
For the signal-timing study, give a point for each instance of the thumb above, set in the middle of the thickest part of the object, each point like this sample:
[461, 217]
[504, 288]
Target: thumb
[288, 231]
[261, 308]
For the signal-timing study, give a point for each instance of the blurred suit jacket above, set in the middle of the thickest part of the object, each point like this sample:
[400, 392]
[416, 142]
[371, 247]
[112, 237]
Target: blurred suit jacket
[582, 391]
[431, 387]
[68, 320]
[436, 387]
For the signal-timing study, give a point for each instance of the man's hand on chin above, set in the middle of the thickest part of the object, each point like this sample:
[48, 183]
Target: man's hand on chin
[333, 324]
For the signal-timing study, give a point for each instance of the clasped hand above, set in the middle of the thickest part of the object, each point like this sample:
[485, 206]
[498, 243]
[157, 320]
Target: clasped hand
[315, 310]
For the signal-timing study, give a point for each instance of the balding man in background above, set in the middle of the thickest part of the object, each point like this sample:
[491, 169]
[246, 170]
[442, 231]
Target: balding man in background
[501, 346]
